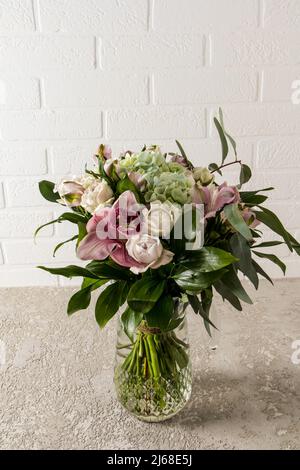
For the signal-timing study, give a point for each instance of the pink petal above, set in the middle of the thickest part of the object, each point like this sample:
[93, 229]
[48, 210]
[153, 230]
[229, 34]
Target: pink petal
[121, 257]
[98, 217]
[91, 247]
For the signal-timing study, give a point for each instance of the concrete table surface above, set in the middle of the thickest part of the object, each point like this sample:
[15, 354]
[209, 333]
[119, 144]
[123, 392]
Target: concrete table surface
[56, 389]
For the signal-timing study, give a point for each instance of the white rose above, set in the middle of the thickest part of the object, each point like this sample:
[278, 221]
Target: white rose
[70, 192]
[148, 251]
[161, 218]
[97, 194]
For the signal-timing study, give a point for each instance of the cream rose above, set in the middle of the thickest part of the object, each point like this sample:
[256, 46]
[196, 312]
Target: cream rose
[96, 195]
[148, 251]
[161, 218]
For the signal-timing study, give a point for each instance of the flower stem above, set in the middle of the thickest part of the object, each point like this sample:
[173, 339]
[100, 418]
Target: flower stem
[227, 164]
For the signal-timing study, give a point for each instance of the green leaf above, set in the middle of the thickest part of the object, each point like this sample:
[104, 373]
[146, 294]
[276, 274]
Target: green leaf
[271, 220]
[72, 217]
[255, 200]
[94, 284]
[242, 251]
[144, 293]
[267, 244]
[63, 243]
[125, 184]
[245, 174]
[206, 301]
[260, 271]
[234, 217]
[130, 321]
[160, 316]
[45, 225]
[109, 301]
[295, 244]
[250, 196]
[68, 216]
[70, 271]
[110, 270]
[222, 136]
[184, 155]
[191, 281]
[207, 259]
[80, 301]
[82, 231]
[47, 191]
[231, 140]
[188, 231]
[227, 294]
[233, 283]
[272, 258]
[214, 167]
[194, 302]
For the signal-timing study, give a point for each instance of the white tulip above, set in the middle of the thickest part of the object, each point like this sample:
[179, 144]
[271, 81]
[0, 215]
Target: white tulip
[70, 192]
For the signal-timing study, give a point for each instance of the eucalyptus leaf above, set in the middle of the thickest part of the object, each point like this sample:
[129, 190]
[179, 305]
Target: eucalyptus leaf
[260, 271]
[231, 140]
[271, 220]
[272, 258]
[223, 140]
[267, 244]
[206, 301]
[214, 167]
[227, 294]
[247, 196]
[194, 302]
[234, 217]
[245, 174]
[233, 283]
[241, 249]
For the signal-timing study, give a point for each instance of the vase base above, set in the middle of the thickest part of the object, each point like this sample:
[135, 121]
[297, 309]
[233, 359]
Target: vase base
[160, 418]
[154, 400]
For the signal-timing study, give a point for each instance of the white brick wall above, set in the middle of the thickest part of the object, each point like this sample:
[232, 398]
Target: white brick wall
[74, 73]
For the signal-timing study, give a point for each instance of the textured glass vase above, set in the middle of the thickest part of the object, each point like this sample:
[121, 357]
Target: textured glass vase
[153, 376]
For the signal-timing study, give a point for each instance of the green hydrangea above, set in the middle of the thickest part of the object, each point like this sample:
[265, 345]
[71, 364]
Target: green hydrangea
[174, 187]
[149, 163]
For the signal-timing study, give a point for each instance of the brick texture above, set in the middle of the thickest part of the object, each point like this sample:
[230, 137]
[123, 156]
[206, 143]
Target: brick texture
[129, 72]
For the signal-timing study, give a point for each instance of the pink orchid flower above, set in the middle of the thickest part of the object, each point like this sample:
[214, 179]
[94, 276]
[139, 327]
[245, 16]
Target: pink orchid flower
[109, 229]
[215, 198]
[250, 217]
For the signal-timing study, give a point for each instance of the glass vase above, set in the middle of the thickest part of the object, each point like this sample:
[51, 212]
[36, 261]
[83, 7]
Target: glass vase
[153, 376]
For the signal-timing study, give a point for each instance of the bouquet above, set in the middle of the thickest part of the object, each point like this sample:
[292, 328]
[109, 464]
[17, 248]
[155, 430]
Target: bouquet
[159, 235]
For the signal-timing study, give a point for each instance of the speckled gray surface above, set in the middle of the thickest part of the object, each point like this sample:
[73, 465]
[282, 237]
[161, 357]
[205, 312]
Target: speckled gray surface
[56, 389]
